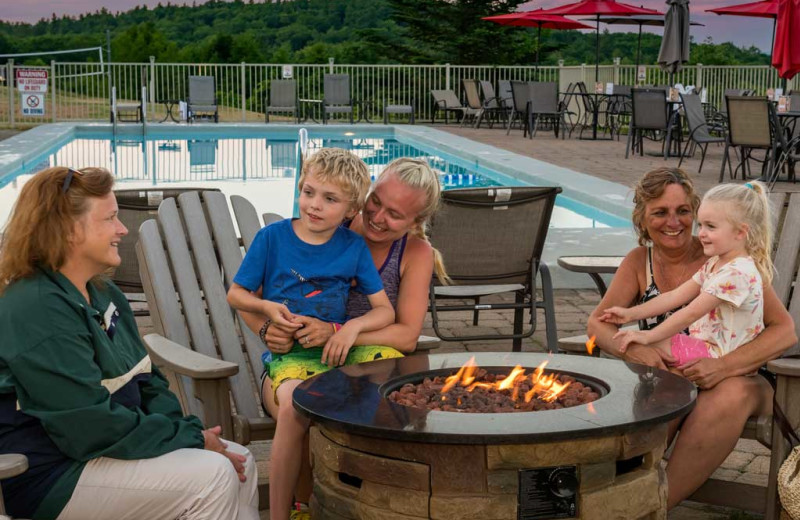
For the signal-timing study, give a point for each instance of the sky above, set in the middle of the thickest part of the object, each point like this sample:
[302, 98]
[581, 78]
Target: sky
[739, 30]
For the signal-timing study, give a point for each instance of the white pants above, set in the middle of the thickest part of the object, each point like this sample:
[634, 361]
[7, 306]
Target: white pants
[185, 484]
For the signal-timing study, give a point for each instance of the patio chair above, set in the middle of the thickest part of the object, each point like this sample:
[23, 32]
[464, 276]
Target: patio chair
[492, 241]
[788, 151]
[586, 107]
[749, 129]
[521, 95]
[136, 206]
[493, 106]
[649, 114]
[187, 259]
[399, 108]
[619, 109]
[545, 106]
[698, 128]
[202, 101]
[505, 94]
[129, 112]
[336, 97]
[282, 99]
[447, 101]
[474, 103]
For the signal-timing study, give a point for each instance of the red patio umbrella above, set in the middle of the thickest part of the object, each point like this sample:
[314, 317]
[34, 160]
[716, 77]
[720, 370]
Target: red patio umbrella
[598, 8]
[786, 50]
[761, 9]
[535, 19]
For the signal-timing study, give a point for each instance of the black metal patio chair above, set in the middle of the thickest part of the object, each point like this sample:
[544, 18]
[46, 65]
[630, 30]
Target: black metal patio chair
[749, 129]
[699, 136]
[648, 115]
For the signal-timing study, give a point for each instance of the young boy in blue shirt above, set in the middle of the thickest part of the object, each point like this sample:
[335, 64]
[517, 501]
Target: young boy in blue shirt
[306, 266]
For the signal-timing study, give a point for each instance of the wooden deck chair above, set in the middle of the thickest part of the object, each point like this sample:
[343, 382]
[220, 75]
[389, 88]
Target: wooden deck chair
[187, 259]
[492, 241]
[202, 101]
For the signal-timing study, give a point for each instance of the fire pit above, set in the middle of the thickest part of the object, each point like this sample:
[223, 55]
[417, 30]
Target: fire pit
[375, 458]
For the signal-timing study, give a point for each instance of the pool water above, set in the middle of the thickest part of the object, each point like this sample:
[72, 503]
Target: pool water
[260, 167]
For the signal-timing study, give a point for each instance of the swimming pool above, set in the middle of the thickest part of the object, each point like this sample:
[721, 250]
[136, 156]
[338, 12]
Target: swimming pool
[259, 163]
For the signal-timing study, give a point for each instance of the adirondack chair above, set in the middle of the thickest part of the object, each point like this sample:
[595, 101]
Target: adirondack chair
[187, 260]
[786, 257]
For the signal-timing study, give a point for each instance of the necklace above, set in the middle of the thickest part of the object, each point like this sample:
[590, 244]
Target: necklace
[670, 280]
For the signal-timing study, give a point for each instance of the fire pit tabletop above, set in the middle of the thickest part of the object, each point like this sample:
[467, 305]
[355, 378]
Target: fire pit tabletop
[353, 399]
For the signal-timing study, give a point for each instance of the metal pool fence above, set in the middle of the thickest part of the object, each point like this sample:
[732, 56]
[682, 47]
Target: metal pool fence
[82, 91]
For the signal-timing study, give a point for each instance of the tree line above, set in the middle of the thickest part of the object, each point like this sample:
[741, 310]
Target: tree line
[350, 31]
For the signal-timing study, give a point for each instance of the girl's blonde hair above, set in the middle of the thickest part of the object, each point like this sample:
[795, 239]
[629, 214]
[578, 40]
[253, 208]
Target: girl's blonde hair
[748, 204]
[43, 219]
[416, 174]
[341, 168]
[652, 186]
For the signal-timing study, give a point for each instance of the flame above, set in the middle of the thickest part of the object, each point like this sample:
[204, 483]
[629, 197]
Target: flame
[590, 407]
[590, 345]
[545, 386]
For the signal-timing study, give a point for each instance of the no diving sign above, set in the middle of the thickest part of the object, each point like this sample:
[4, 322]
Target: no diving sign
[32, 104]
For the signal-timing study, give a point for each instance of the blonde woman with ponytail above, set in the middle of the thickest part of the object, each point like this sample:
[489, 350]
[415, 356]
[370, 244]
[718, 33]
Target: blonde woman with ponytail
[393, 223]
[724, 299]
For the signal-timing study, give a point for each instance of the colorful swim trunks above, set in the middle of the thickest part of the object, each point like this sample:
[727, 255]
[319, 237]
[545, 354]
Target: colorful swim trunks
[303, 363]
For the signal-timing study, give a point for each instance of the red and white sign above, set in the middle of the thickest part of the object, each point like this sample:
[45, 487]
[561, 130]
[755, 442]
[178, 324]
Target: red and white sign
[31, 80]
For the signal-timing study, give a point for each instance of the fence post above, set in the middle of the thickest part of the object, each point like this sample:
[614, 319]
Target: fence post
[53, 86]
[447, 76]
[11, 74]
[560, 75]
[330, 65]
[699, 79]
[242, 92]
[616, 70]
[583, 75]
[152, 85]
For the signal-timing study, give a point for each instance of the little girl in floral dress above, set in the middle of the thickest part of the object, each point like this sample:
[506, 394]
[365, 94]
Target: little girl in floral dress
[726, 298]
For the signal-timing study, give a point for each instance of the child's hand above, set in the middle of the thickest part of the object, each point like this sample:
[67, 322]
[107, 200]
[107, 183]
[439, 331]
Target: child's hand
[626, 337]
[337, 347]
[281, 315]
[617, 315]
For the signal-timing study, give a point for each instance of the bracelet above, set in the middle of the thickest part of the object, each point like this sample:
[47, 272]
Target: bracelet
[262, 334]
[336, 327]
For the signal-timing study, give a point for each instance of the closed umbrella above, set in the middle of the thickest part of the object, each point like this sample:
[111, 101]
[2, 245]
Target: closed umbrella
[540, 21]
[762, 9]
[598, 8]
[642, 20]
[675, 43]
[786, 51]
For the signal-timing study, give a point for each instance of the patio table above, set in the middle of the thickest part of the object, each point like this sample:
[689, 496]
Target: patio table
[309, 107]
[169, 104]
[595, 99]
[594, 266]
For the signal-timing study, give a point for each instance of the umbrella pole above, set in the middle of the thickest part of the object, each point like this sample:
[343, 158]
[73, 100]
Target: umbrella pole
[638, 50]
[597, 52]
[538, 44]
[772, 41]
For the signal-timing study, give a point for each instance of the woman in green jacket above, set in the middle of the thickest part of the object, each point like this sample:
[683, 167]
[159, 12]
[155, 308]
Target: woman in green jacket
[104, 436]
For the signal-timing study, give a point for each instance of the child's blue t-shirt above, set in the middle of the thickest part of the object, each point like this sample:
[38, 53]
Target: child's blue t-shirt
[311, 280]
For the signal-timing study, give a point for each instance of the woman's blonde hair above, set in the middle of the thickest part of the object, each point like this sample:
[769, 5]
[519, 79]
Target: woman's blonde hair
[416, 174]
[43, 219]
[748, 204]
[652, 186]
[341, 168]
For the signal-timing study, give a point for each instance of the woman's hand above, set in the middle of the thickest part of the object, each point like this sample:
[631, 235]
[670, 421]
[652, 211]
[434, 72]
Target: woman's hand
[313, 332]
[337, 347]
[617, 315]
[706, 373]
[212, 442]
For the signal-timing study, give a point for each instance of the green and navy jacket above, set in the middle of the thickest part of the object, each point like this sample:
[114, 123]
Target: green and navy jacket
[76, 383]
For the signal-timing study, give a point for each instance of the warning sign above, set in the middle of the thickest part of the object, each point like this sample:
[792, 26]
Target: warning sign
[31, 80]
[32, 104]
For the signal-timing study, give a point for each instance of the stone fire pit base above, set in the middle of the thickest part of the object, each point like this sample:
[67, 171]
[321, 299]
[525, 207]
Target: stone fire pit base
[358, 477]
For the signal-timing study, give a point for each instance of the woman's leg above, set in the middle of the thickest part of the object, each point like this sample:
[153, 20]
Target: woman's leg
[187, 483]
[711, 431]
[287, 452]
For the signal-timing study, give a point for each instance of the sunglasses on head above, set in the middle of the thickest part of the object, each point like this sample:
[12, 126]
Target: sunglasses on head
[68, 179]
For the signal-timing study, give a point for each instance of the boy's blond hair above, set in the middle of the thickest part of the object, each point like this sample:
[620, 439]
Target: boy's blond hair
[341, 168]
